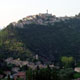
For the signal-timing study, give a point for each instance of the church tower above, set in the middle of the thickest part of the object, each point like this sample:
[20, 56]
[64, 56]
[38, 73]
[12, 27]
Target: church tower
[47, 11]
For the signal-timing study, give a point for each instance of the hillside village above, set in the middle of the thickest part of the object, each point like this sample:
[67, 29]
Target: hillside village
[41, 18]
[32, 65]
[16, 68]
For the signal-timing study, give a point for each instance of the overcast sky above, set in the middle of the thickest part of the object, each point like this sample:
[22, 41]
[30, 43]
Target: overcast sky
[13, 10]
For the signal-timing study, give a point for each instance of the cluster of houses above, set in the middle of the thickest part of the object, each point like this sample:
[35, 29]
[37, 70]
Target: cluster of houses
[20, 63]
[21, 75]
[16, 71]
[41, 18]
[13, 72]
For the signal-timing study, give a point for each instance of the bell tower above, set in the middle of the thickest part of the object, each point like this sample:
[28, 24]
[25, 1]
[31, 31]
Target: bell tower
[47, 11]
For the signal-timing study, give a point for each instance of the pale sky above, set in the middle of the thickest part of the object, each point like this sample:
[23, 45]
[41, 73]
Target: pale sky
[13, 10]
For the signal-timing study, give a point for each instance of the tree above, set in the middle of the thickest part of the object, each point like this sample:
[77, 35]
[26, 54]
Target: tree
[9, 77]
[29, 74]
[54, 75]
[76, 75]
[66, 74]
[67, 61]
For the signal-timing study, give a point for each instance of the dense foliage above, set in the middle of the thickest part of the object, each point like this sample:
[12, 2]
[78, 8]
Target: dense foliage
[50, 42]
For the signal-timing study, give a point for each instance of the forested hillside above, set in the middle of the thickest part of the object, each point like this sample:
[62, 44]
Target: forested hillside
[50, 42]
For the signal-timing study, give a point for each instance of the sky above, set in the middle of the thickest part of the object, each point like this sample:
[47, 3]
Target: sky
[13, 10]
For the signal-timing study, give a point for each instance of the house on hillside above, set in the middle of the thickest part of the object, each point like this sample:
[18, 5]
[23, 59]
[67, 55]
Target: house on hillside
[77, 69]
[21, 75]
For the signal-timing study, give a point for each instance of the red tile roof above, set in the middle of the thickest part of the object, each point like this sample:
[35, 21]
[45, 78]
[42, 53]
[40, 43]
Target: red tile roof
[20, 73]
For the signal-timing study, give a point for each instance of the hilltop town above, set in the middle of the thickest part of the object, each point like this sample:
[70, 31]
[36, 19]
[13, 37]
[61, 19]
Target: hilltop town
[41, 19]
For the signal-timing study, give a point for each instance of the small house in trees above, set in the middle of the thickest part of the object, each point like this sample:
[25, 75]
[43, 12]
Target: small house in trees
[21, 75]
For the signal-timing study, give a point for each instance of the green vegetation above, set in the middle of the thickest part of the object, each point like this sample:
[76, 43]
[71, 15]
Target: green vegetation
[76, 75]
[66, 74]
[50, 42]
[67, 61]
[42, 74]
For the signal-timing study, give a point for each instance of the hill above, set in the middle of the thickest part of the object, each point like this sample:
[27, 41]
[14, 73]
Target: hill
[46, 35]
